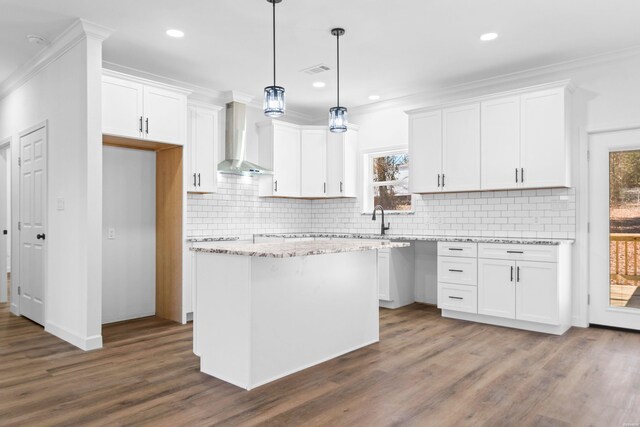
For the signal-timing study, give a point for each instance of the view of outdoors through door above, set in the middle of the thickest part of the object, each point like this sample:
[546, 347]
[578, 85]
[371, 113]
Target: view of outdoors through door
[624, 228]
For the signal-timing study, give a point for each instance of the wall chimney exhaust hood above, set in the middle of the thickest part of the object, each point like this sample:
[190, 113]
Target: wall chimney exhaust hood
[235, 144]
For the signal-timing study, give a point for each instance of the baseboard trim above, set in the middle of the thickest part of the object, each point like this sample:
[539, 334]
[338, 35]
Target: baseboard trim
[89, 343]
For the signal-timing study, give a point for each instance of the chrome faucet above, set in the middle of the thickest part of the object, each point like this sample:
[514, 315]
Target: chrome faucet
[382, 226]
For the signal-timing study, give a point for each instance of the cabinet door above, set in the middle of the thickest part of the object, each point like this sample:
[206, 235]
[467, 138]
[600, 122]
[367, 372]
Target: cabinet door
[313, 155]
[425, 152]
[461, 148]
[543, 142]
[164, 112]
[496, 288]
[191, 157]
[537, 292]
[121, 107]
[286, 161]
[384, 291]
[500, 143]
[350, 177]
[203, 149]
[335, 164]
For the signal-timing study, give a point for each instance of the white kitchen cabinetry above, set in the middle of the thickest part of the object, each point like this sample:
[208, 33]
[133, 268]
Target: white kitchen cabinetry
[445, 150]
[342, 163]
[396, 277]
[500, 136]
[138, 108]
[307, 161]
[425, 151]
[313, 150]
[544, 152]
[461, 148]
[202, 145]
[280, 151]
[457, 277]
[517, 139]
[520, 286]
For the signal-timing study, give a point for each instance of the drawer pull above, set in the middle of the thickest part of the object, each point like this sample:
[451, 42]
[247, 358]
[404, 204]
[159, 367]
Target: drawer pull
[456, 271]
[455, 297]
[456, 249]
[515, 252]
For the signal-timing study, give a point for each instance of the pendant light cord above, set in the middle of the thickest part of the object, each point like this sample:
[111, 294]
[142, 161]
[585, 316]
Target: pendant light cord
[338, 63]
[274, 43]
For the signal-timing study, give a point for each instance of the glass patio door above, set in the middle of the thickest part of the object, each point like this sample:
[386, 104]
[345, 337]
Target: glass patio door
[614, 238]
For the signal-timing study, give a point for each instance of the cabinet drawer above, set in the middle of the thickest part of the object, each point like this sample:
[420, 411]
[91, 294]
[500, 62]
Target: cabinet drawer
[461, 271]
[462, 249]
[545, 253]
[458, 297]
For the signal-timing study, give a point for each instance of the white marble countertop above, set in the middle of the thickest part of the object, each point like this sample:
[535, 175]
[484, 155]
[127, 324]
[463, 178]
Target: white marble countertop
[196, 239]
[297, 249]
[433, 238]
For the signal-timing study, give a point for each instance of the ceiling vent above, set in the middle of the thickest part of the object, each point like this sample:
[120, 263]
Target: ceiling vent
[316, 69]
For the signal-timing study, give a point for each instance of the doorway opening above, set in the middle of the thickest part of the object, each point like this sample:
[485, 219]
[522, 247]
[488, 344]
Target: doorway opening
[5, 221]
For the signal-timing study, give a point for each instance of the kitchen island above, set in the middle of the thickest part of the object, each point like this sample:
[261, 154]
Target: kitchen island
[266, 310]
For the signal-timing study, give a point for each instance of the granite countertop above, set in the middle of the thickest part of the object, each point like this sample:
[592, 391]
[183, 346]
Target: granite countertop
[296, 249]
[434, 238]
[195, 239]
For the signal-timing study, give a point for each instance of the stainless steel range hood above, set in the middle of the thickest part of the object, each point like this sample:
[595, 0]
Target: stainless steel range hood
[235, 144]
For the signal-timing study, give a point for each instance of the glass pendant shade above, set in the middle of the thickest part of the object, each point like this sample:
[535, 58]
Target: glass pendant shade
[274, 102]
[338, 119]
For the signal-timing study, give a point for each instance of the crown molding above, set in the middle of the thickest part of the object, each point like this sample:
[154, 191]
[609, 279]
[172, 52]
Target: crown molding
[76, 32]
[435, 97]
[144, 81]
[236, 96]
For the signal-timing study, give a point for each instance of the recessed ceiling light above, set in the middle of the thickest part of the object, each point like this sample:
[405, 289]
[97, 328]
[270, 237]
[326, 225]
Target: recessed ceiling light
[37, 40]
[374, 97]
[319, 84]
[175, 33]
[488, 37]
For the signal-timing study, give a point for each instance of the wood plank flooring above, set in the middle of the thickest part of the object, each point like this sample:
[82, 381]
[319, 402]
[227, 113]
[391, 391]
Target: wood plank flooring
[425, 371]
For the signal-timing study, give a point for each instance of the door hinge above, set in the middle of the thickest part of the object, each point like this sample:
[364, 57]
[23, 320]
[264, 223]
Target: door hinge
[18, 290]
[588, 155]
[19, 161]
[588, 227]
[19, 225]
[588, 299]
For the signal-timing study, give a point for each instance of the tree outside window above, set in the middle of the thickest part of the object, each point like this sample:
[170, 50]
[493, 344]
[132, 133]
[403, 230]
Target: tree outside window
[390, 181]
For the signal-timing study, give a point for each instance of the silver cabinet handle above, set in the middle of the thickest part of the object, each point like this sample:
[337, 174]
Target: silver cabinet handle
[194, 180]
[341, 186]
[324, 188]
[455, 297]
[276, 186]
[511, 274]
[517, 274]
[438, 180]
[442, 180]
[140, 124]
[456, 271]
[456, 249]
[521, 174]
[198, 180]
[516, 175]
[146, 130]
[515, 252]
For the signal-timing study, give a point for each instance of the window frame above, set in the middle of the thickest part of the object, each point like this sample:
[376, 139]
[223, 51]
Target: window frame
[369, 184]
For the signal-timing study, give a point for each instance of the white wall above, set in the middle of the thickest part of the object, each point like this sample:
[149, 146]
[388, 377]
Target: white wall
[65, 91]
[129, 259]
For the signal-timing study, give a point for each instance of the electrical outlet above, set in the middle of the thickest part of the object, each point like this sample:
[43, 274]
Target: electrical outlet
[111, 233]
[60, 203]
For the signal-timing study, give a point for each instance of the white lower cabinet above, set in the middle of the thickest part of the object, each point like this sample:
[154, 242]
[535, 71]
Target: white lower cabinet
[520, 286]
[458, 277]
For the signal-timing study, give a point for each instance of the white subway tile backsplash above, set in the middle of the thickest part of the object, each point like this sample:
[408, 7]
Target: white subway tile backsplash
[236, 210]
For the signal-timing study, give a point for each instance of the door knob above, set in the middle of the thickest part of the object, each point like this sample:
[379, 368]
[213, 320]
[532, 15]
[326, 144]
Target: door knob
[40, 236]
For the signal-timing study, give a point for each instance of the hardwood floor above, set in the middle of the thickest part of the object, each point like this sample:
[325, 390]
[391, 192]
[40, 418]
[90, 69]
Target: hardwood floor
[426, 370]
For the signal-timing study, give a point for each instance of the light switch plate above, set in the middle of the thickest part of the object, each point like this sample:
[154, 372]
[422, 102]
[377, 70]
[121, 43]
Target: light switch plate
[111, 233]
[60, 203]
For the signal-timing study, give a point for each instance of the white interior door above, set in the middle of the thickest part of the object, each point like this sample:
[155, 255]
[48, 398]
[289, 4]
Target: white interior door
[32, 218]
[614, 215]
[4, 226]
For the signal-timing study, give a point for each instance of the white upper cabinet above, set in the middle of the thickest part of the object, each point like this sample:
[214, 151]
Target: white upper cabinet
[461, 148]
[280, 151]
[425, 152]
[122, 107]
[544, 152]
[307, 161]
[500, 136]
[202, 145]
[519, 140]
[342, 163]
[313, 162]
[136, 108]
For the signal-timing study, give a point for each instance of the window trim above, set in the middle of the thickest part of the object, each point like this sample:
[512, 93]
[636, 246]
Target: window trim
[369, 184]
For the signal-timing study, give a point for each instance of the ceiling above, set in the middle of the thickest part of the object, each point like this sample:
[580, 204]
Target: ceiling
[390, 48]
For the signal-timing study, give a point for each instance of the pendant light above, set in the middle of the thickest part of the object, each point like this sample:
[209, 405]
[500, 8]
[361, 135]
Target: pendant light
[338, 114]
[274, 103]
